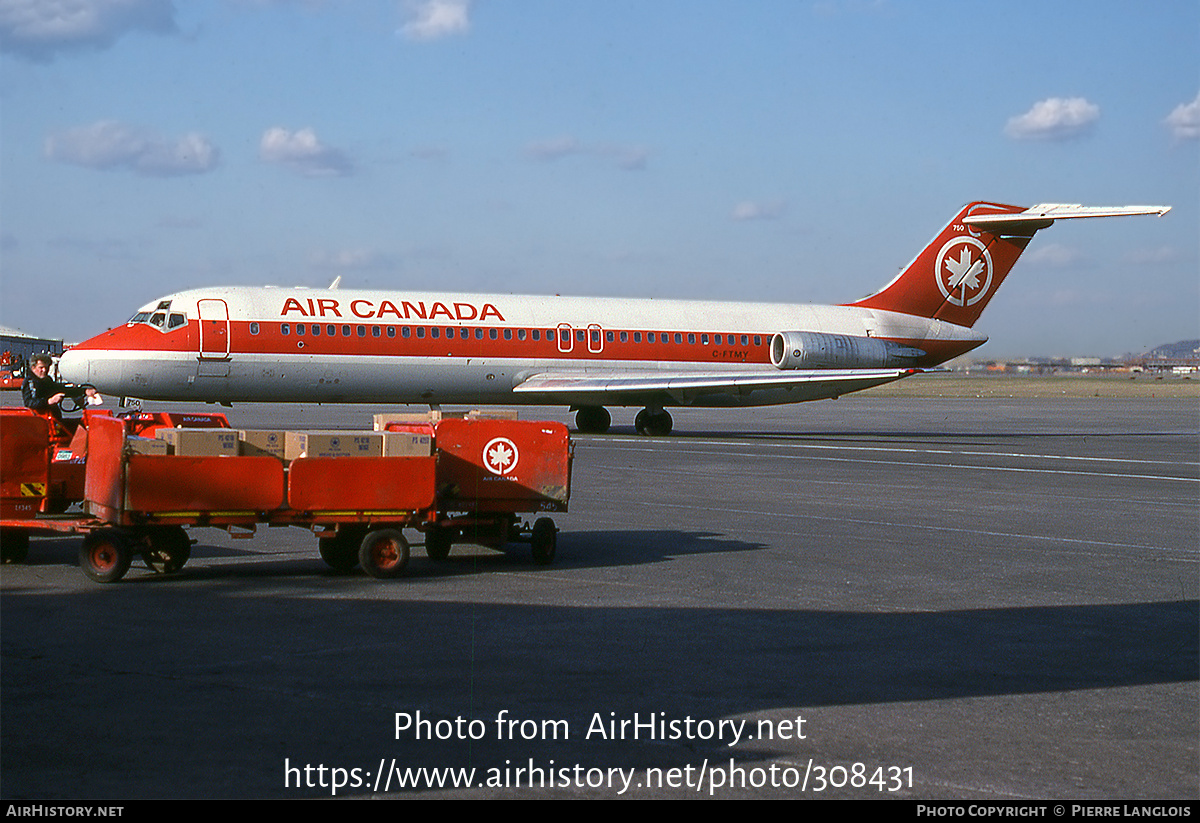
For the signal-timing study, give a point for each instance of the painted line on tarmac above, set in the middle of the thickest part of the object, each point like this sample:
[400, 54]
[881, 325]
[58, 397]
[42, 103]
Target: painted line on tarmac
[971, 467]
[901, 450]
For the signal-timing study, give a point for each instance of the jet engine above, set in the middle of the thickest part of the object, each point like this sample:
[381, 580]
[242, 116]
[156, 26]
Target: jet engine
[818, 350]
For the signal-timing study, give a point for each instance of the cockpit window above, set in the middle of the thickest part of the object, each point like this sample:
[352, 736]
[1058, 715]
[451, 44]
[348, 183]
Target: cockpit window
[160, 318]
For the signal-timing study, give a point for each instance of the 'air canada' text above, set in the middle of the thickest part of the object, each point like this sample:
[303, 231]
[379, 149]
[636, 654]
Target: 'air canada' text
[367, 309]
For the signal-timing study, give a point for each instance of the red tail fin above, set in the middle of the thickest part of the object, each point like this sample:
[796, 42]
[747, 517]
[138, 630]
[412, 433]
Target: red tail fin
[955, 276]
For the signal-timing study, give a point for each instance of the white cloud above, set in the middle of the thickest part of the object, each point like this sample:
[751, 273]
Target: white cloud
[629, 158]
[434, 19]
[553, 149]
[38, 29]
[1184, 120]
[1055, 118]
[759, 210]
[303, 152]
[351, 259]
[108, 145]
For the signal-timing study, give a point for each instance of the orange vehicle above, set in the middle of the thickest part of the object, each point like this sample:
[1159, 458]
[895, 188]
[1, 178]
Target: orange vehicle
[471, 487]
[43, 462]
[12, 370]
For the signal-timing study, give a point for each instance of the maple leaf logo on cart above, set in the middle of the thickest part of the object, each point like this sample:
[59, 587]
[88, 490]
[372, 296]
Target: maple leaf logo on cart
[964, 271]
[500, 455]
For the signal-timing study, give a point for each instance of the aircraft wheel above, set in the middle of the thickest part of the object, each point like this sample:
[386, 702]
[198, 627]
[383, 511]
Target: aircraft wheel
[544, 541]
[168, 549]
[437, 542]
[661, 424]
[340, 552]
[653, 423]
[14, 545]
[105, 555]
[593, 419]
[384, 553]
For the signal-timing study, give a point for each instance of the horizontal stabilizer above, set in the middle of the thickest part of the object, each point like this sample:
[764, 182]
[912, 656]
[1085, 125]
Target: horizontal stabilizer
[1044, 214]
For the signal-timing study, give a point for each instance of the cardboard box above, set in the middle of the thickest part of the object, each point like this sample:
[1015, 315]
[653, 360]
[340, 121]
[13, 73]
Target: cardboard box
[435, 416]
[146, 445]
[201, 442]
[429, 417]
[493, 414]
[407, 444]
[332, 444]
[259, 442]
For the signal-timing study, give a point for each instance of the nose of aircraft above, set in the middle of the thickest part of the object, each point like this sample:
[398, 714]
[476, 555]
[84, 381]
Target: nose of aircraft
[73, 366]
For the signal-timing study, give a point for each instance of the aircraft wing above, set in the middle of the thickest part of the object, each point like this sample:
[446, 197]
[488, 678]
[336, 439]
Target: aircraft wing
[635, 387]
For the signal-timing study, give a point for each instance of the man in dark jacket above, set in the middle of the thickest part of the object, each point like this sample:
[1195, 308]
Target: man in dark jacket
[43, 394]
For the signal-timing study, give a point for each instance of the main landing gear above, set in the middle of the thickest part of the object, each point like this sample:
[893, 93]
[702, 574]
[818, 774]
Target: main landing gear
[653, 422]
[649, 422]
[592, 419]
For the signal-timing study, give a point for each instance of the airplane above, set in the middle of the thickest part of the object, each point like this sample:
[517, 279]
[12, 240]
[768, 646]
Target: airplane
[256, 344]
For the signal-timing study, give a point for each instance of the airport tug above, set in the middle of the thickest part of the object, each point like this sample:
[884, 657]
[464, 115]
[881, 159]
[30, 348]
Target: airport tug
[134, 484]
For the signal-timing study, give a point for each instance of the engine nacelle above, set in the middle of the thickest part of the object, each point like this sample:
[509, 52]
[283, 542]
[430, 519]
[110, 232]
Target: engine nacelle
[818, 350]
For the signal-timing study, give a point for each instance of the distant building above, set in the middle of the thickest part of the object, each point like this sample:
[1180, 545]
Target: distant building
[22, 345]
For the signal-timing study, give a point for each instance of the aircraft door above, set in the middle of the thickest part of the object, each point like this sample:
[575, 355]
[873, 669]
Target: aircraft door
[595, 338]
[214, 329]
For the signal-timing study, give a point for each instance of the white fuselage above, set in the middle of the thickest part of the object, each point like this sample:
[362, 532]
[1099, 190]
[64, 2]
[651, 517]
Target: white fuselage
[293, 344]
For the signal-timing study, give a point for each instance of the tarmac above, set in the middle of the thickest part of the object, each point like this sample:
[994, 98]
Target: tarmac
[873, 597]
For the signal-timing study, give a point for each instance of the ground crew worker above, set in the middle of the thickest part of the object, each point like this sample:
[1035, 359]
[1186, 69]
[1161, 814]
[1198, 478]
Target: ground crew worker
[45, 395]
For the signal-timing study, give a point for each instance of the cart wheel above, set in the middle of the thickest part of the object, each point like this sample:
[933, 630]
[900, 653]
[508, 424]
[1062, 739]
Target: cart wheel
[437, 542]
[105, 555]
[383, 553]
[169, 549]
[340, 552]
[544, 540]
[14, 545]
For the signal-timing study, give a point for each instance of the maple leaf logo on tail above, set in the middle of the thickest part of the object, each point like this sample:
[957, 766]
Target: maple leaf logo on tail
[964, 271]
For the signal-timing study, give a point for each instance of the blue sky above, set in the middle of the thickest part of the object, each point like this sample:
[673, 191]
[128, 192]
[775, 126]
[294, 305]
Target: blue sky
[783, 151]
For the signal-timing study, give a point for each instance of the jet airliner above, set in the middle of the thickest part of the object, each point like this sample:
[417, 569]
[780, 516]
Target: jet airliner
[243, 344]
